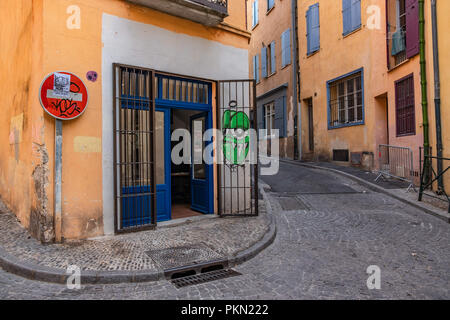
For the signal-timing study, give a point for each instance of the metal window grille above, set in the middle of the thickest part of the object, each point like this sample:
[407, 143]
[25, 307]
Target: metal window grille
[346, 101]
[237, 181]
[134, 182]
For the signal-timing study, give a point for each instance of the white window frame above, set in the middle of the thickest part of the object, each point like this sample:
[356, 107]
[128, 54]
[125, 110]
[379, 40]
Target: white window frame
[269, 119]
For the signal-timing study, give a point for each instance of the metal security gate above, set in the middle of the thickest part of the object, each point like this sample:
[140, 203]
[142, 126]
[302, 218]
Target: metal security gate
[237, 168]
[134, 162]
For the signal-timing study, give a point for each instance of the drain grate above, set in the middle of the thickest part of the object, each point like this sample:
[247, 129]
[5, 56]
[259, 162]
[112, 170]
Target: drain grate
[204, 277]
[292, 203]
[176, 257]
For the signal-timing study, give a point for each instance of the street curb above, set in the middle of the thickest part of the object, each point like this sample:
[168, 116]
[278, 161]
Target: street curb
[374, 187]
[53, 275]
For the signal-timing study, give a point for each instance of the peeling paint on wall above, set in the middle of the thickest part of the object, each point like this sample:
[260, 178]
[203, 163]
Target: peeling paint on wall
[41, 218]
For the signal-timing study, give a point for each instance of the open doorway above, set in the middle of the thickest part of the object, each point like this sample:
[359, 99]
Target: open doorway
[182, 174]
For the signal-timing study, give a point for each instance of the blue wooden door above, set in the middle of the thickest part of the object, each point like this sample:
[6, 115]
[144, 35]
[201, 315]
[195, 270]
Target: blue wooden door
[201, 172]
[162, 162]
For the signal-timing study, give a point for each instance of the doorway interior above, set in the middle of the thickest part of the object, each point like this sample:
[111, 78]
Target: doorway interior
[180, 174]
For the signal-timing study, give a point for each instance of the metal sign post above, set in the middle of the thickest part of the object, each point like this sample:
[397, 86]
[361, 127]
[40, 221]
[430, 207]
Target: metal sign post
[63, 96]
[58, 180]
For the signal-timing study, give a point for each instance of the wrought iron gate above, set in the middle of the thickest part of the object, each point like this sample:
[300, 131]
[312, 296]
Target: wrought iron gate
[134, 163]
[237, 168]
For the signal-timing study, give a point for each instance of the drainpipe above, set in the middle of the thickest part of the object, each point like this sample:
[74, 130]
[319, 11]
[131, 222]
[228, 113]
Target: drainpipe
[296, 84]
[423, 82]
[437, 93]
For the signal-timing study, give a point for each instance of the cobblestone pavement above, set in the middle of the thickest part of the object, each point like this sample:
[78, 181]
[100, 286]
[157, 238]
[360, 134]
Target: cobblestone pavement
[225, 238]
[327, 237]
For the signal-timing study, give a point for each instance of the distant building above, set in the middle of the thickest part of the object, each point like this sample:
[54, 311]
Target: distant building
[272, 59]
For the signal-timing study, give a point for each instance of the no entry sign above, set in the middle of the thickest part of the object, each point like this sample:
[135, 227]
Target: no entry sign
[63, 95]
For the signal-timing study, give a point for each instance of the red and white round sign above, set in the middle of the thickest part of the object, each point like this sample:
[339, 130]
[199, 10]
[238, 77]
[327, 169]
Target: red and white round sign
[63, 95]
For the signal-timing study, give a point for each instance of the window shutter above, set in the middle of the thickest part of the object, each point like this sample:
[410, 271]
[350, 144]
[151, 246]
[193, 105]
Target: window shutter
[257, 68]
[347, 15]
[356, 14]
[264, 62]
[273, 62]
[256, 12]
[286, 48]
[280, 115]
[315, 28]
[308, 30]
[412, 28]
[260, 119]
[254, 68]
[253, 14]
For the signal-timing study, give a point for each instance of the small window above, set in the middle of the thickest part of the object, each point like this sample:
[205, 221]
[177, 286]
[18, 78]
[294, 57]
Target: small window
[269, 118]
[405, 106]
[270, 4]
[346, 101]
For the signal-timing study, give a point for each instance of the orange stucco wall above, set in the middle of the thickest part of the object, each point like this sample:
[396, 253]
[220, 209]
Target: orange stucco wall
[23, 160]
[36, 41]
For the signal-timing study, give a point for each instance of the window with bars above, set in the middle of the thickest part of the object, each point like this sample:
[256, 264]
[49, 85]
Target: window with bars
[346, 100]
[405, 106]
[181, 90]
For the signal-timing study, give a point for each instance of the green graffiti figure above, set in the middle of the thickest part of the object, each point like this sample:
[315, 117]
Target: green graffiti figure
[236, 141]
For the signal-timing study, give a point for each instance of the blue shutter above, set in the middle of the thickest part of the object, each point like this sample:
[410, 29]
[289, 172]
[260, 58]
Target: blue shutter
[356, 14]
[280, 115]
[264, 62]
[308, 30]
[286, 48]
[257, 68]
[254, 67]
[253, 14]
[270, 4]
[347, 15]
[315, 28]
[273, 62]
[256, 12]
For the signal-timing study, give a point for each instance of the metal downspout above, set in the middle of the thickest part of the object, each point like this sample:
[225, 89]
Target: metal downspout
[423, 82]
[295, 84]
[437, 93]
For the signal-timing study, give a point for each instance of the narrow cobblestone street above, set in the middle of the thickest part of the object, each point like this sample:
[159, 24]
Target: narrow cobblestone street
[329, 230]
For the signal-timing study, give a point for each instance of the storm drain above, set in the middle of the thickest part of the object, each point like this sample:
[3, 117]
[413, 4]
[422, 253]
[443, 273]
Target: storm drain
[176, 257]
[204, 277]
[292, 203]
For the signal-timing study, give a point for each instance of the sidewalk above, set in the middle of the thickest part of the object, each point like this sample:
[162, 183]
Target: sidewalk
[395, 188]
[135, 257]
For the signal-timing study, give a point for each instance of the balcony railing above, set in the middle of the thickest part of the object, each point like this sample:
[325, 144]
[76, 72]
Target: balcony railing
[218, 5]
[207, 12]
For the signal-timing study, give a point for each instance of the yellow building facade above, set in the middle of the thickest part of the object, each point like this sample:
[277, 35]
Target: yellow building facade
[352, 77]
[40, 37]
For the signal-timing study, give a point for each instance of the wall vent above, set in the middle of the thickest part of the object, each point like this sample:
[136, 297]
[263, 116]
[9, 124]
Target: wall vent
[340, 155]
